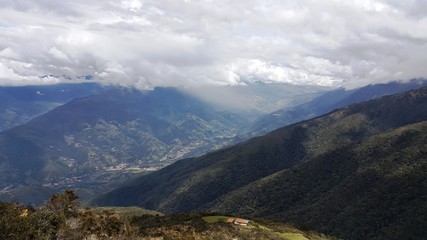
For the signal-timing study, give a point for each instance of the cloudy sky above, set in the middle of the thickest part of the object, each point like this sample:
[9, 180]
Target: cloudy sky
[147, 43]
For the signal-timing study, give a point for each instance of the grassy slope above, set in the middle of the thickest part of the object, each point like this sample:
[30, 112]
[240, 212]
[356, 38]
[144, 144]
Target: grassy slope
[125, 211]
[284, 231]
[195, 226]
[131, 223]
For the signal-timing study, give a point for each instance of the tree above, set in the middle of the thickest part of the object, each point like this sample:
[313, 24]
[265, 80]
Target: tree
[64, 204]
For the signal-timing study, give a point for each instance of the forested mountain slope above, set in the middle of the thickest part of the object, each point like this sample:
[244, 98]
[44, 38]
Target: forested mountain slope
[192, 183]
[357, 173]
[375, 189]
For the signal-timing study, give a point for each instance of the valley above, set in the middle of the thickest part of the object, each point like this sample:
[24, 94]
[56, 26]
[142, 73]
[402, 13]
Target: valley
[168, 151]
[94, 143]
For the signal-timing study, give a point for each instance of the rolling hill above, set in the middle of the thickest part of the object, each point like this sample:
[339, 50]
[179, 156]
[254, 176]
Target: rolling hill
[332, 173]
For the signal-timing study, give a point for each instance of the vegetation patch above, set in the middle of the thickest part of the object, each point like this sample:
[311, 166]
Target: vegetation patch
[61, 218]
[293, 236]
[269, 228]
[214, 219]
[126, 211]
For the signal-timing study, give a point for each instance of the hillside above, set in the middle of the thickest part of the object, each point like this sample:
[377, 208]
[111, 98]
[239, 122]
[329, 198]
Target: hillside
[100, 139]
[375, 189]
[206, 182]
[327, 102]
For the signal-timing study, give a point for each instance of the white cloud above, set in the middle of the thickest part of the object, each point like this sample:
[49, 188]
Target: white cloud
[9, 53]
[171, 42]
[10, 76]
[311, 70]
[132, 5]
[58, 54]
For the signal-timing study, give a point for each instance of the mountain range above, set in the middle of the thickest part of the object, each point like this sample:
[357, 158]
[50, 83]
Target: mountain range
[101, 139]
[305, 173]
[355, 173]
[327, 102]
[20, 104]
[91, 139]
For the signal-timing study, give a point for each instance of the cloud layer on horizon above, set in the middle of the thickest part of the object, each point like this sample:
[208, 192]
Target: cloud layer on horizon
[145, 43]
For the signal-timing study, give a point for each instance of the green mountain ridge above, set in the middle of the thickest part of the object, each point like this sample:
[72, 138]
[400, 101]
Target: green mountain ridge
[375, 189]
[329, 101]
[217, 180]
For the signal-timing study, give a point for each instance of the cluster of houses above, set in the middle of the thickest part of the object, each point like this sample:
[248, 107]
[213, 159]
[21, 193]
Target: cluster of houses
[238, 221]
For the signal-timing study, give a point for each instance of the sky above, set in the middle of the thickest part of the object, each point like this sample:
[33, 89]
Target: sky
[144, 43]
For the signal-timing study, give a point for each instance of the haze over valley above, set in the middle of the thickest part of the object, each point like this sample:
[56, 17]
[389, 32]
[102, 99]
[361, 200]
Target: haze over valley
[213, 119]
